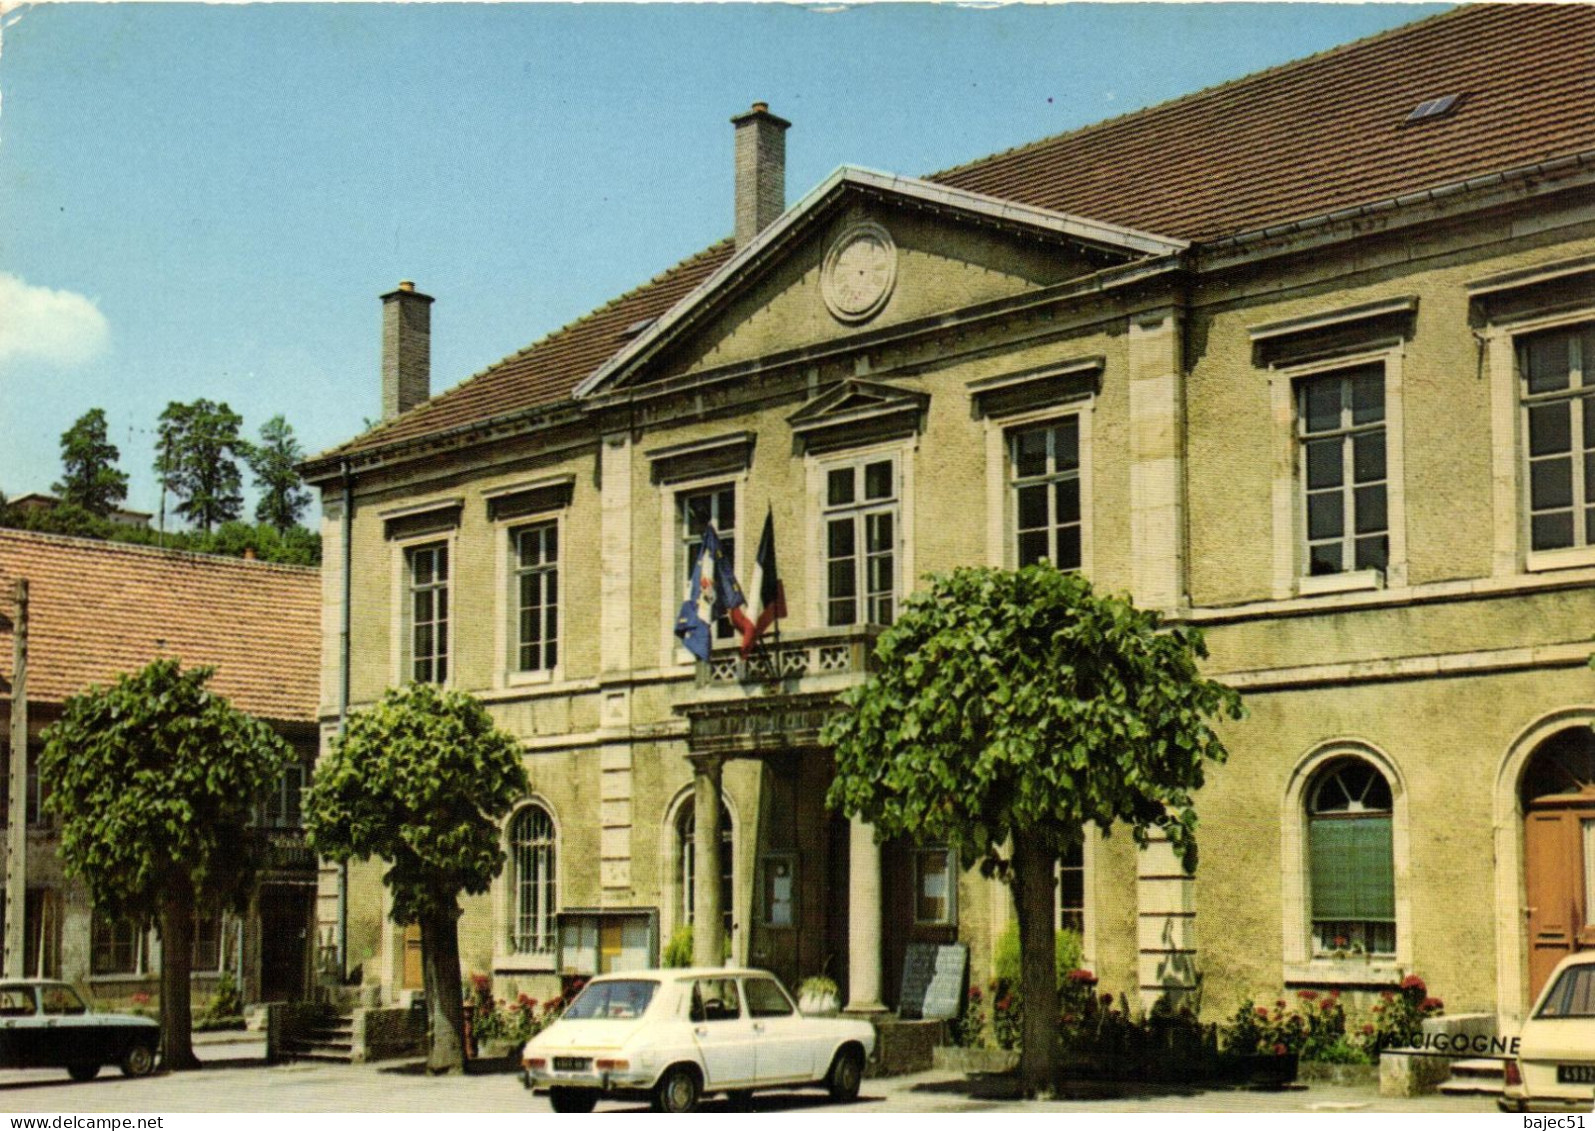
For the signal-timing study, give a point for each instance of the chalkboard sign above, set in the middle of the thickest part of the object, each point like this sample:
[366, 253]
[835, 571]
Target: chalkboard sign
[933, 981]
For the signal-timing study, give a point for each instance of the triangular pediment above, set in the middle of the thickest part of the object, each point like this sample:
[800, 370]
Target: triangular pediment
[855, 411]
[863, 252]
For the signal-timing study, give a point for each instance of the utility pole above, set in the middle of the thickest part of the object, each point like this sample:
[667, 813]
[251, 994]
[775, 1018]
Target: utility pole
[17, 815]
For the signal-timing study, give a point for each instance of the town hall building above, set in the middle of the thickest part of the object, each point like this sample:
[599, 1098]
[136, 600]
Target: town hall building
[1306, 360]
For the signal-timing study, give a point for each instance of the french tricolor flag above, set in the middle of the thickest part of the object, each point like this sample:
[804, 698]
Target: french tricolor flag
[766, 595]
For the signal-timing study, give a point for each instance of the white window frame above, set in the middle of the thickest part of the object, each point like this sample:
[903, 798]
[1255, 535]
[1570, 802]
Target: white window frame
[817, 469]
[1513, 551]
[1088, 912]
[1289, 487]
[1301, 965]
[403, 666]
[1002, 549]
[506, 896]
[671, 582]
[506, 643]
[144, 963]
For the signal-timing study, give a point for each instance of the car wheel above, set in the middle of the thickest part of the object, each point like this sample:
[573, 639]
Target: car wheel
[677, 1091]
[83, 1072]
[138, 1060]
[847, 1073]
[573, 1101]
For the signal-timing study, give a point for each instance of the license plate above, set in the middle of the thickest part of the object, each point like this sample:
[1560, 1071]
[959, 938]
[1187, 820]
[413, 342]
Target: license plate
[572, 1063]
[1575, 1073]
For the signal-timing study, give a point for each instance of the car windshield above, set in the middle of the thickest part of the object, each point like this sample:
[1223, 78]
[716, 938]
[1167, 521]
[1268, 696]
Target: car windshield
[1573, 995]
[61, 1000]
[612, 1001]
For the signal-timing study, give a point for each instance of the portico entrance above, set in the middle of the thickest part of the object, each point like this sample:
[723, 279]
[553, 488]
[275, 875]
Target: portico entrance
[1558, 803]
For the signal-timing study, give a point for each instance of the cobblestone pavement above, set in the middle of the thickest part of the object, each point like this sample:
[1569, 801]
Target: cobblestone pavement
[232, 1084]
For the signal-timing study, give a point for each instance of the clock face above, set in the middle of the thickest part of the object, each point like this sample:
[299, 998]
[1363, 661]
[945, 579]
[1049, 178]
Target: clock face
[859, 272]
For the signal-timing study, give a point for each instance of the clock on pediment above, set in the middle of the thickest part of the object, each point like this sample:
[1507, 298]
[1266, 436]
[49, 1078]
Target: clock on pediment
[859, 271]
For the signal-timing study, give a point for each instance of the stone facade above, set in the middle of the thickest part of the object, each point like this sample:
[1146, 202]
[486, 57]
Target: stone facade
[1439, 659]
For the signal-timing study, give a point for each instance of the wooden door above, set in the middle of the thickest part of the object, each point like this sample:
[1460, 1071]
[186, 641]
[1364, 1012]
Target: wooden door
[1555, 883]
[414, 979]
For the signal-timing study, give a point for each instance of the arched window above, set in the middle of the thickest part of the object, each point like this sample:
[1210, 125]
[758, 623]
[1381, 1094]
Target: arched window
[1353, 901]
[532, 857]
[686, 850]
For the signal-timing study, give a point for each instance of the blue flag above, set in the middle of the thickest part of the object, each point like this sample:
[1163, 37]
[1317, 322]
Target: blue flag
[712, 593]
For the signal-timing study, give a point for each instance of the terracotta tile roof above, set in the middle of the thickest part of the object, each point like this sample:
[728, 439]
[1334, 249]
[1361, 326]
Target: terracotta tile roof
[548, 370]
[1327, 132]
[97, 609]
[1301, 140]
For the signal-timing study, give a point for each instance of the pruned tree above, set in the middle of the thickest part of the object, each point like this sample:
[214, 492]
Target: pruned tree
[197, 460]
[156, 780]
[89, 476]
[283, 497]
[422, 780]
[1008, 710]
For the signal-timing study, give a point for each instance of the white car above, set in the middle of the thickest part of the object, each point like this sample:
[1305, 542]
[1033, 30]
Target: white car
[1555, 1065]
[675, 1036]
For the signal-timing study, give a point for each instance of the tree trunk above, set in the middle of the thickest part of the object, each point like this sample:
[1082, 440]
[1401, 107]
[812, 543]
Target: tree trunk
[1034, 889]
[440, 965]
[177, 955]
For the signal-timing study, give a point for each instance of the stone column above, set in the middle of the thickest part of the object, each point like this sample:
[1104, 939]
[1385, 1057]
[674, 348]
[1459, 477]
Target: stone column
[863, 920]
[707, 943]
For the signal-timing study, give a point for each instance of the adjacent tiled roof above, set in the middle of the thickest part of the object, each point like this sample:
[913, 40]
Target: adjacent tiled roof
[97, 609]
[1301, 140]
[548, 370]
[1326, 132]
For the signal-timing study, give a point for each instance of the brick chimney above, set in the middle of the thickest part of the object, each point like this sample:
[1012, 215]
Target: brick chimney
[406, 349]
[760, 170]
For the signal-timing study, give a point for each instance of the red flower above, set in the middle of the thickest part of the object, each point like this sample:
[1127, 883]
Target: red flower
[1367, 1030]
[1107, 999]
[1082, 977]
[1279, 1004]
[1413, 982]
[1307, 995]
[1340, 942]
[1263, 1013]
[1328, 1005]
[1432, 1004]
[1387, 995]
[1279, 1050]
[974, 993]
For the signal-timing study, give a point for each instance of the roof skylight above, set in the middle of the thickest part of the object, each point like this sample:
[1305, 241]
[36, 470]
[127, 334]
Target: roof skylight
[1434, 107]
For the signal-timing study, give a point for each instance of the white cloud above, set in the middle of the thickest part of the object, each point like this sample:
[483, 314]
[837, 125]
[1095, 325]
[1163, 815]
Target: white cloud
[55, 326]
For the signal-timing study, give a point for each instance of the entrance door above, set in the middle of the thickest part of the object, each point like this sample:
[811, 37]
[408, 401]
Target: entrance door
[414, 979]
[284, 941]
[1556, 831]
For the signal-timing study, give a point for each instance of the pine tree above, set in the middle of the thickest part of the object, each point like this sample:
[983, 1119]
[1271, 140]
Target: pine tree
[89, 476]
[197, 461]
[283, 497]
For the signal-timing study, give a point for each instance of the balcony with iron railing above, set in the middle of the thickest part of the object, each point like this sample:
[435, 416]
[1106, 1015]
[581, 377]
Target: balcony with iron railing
[781, 695]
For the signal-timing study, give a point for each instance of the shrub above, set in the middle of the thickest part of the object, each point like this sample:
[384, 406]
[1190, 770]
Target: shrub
[1005, 961]
[1399, 1016]
[226, 1004]
[968, 1029]
[678, 951]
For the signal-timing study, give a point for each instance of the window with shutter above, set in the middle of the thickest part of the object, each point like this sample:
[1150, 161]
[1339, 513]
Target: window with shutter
[1352, 866]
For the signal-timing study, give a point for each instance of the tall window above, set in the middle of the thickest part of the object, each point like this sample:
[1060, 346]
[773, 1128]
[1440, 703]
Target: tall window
[1556, 373]
[532, 856]
[206, 953]
[537, 597]
[429, 613]
[1352, 864]
[35, 792]
[116, 945]
[686, 847]
[1071, 889]
[282, 805]
[1045, 469]
[935, 885]
[860, 521]
[696, 510]
[1341, 434]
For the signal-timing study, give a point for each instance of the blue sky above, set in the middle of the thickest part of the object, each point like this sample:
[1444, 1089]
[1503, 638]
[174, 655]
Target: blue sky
[207, 200]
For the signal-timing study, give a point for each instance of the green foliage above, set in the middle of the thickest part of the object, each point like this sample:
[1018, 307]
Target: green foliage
[296, 546]
[89, 476]
[678, 951]
[155, 780]
[283, 497]
[968, 1029]
[197, 461]
[420, 780]
[1067, 953]
[1316, 1027]
[225, 1009]
[818, 985]
[1398, 1018]
[1021, 700]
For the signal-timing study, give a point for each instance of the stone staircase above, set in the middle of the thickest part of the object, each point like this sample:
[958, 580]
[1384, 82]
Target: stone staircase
[329, 1039]
[1475, 1078]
